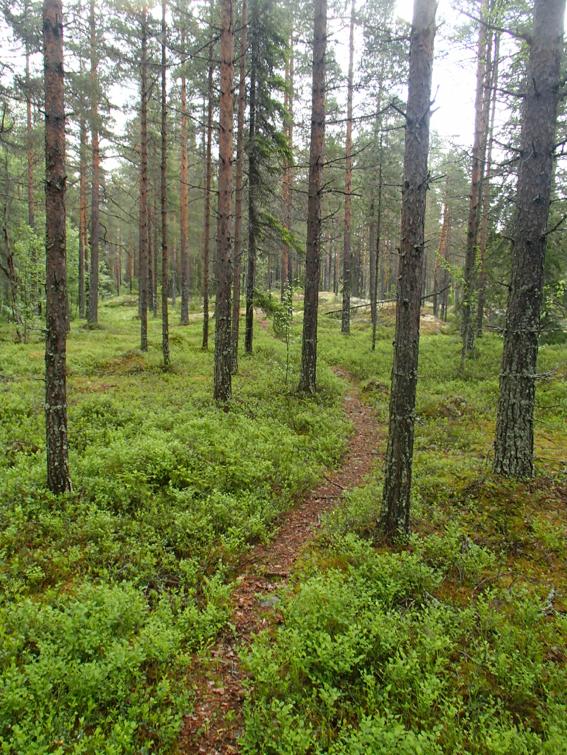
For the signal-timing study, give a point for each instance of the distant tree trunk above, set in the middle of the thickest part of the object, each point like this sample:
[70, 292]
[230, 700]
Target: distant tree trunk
[285, 277]
[95, 177]
[163, 187]
[143, 266]
[184, 201]
[347, 246]
[514, 446]
[223, 350]
[155, 227]
[83, 218]
[475, 198]
[440, 278]
[237, 255]
[207, 219]
[376, 256]
[253, 188]
[173, 275]
[308, 377]
[29, 140]
[399, 456]
[58, 479]
[484, 224]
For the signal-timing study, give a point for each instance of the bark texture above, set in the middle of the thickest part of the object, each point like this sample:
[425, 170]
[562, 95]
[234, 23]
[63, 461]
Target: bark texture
[163, 194]
[223, 350]
[184, 203]
[237, 253]
[308, 377]
[58, 479]
[207, 208]
[253, 183]
[347, 245]
[514, 424]
[143, 265]
[399, 456]
[92, 315]
[475, 197]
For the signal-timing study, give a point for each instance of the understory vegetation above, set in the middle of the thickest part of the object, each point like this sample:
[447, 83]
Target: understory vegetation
[107, 591]
[452, 642]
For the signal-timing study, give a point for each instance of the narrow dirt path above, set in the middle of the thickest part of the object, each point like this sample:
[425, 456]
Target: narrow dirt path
[215, 725]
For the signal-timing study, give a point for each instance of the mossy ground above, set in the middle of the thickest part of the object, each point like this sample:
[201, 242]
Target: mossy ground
[453, 642]
[108, 591]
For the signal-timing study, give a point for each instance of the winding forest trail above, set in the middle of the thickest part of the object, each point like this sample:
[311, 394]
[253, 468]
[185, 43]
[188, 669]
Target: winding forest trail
[216, 723]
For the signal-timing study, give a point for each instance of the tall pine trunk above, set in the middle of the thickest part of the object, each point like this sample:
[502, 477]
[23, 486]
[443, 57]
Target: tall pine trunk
[184, 201]
[207, 208]
[253, 184]
[288, 172]
[395, 513]
[514, 445]
[58, 479]
[223, 351]
[163, 194]
[347, 245]
[83, 213]
[237, 253]
[143, 264]
[95, 177]
[308, 377]
[484, 223]
[475, 197]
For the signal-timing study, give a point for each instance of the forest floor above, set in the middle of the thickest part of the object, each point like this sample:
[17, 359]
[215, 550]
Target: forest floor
[215, 725]
[218, 576]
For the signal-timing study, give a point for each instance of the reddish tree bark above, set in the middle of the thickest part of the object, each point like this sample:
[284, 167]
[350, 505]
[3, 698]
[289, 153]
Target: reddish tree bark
[163, 194]
[207, 209]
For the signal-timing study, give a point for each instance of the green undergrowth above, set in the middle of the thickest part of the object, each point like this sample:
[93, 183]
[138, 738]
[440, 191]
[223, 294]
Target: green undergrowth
[107, 592]
[452, 642]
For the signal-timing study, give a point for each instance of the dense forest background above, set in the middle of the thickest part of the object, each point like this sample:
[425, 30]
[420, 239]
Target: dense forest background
[263, 528]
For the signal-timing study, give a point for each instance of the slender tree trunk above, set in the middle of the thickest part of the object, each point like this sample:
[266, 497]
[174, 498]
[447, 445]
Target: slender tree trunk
[207, 221]
[83, 213]
[253, 187]
[475, 198]
[184, 202]
[399, 456]
[155, 225]
[143, 266]
[285, 277]
[347, 246]
[308, 377]
[484, 224]
[58, 479]
[95, 186]
[237, 255]
[223, 350]
[29, 141]
[514, 446]
[163, 187]
[440, 276]
[376, 260]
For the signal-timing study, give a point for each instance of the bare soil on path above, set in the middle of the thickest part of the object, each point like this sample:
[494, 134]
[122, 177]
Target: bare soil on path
[215, 725]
